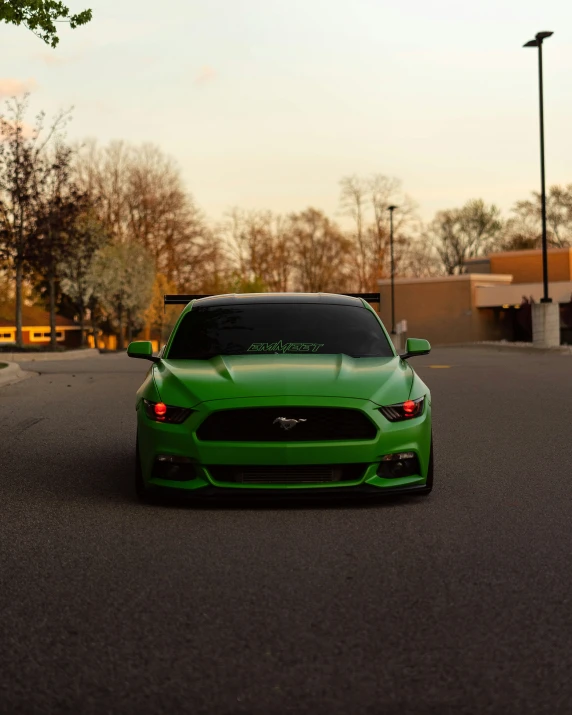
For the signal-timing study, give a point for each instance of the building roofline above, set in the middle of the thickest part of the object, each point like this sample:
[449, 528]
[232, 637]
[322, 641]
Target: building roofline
[530, 251]
[12, 327]
[522, 252]
[472, 277]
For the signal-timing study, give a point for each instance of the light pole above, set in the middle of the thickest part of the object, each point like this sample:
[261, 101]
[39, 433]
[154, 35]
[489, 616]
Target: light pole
[537, 42]
[391, 209]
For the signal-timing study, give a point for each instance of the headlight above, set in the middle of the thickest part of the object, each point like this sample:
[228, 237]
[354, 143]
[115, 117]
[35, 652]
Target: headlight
[403, 410]
[160, 412]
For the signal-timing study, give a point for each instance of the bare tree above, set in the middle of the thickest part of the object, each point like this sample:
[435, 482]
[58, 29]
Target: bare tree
[354, 203]
[420, 259]
[259, 247]
[52, 235]
[366, 201]
[141, 199]
[103, 174]
[460, 234]
[162, 215]
[321, 252]
[524, 227]
[22, 171]
[77, 280]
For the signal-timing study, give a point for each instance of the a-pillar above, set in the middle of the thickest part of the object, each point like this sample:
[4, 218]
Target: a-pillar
[545, 325]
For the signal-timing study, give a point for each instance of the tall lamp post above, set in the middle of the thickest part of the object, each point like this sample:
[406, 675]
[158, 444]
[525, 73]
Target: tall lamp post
[391, 209]
[537, 42]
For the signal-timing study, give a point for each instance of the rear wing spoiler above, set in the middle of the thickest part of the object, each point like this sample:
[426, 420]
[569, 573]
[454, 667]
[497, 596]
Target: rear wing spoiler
[368, 297]
[183, 299]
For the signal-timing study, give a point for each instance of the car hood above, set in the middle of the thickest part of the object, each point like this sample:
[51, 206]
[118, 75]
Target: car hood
[186, 383]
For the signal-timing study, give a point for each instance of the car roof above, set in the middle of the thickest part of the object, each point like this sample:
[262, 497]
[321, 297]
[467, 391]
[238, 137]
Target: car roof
[258, 298]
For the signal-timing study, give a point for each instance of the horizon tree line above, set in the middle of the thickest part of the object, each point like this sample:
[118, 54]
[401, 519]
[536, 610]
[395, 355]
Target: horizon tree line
[100, 233]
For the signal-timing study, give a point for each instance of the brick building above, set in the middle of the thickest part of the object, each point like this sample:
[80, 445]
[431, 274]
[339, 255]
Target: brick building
[491, 301]
[36, 327]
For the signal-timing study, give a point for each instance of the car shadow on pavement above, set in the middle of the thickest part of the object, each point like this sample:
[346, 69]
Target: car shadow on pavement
[281, 502]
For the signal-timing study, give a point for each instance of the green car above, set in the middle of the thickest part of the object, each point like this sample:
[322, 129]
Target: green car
[282, 394]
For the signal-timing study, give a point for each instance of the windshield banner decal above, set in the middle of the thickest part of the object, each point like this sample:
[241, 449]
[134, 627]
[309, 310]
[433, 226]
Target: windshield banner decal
[281, 347]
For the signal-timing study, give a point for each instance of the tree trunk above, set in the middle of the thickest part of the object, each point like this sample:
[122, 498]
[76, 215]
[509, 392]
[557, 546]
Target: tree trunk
[19, 280]
[52, 285]
[82, 340]
[147, 330]
[129, 327]
[82, 328]
[120, 341]
[93, 325]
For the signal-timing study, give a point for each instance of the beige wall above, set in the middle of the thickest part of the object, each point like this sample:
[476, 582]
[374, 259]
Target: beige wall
[445, 309]
[487, 296]
[442, 311]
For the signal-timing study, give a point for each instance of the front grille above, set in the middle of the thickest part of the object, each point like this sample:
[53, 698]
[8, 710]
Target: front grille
[281, 474]
[259, 424]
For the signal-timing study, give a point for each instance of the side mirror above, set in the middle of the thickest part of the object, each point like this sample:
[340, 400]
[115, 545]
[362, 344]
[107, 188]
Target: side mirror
[142, 349]
[415, 347]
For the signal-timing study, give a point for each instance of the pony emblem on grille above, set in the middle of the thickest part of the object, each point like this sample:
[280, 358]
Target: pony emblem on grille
[286, 423]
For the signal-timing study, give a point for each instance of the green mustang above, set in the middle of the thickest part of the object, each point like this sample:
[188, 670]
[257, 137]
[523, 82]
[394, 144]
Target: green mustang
[282, 393]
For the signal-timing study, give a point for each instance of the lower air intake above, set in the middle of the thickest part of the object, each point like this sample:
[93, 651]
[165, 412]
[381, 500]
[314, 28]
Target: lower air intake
[281, 474]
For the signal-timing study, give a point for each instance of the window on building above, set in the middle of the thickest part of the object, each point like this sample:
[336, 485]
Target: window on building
[45, 335]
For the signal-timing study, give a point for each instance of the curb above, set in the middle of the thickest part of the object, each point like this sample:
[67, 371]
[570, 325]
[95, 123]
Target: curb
[522, 347]
[13, 373]
[32, 357]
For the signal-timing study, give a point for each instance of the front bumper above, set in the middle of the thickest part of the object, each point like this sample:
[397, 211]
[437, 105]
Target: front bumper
[357, 493]
[157, 438]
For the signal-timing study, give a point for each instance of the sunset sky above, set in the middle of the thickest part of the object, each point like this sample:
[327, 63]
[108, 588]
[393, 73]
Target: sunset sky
[267, 104]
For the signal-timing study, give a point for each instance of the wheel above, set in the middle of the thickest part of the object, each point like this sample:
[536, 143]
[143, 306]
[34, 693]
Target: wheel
[429, 484]
[141, 490]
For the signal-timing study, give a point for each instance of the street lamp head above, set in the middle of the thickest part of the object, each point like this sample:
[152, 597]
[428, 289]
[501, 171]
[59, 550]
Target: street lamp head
[392, 208]
[540, 36]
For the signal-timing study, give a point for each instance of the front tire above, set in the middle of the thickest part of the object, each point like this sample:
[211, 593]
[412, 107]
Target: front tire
[141, 490]
[424, 491]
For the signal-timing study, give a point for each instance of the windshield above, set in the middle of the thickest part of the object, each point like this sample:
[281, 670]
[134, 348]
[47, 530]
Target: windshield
[265, 328]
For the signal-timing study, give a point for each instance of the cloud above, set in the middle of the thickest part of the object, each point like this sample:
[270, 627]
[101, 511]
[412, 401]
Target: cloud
[54, 59]
[206, 74]
[15, 87]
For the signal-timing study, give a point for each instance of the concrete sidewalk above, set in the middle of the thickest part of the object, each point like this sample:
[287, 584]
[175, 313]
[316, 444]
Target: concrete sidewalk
[506, 345]
[12, 373]
[32, 356]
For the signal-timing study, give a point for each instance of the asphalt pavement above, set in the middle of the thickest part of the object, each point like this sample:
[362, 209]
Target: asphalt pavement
[459, 603]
